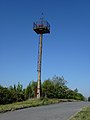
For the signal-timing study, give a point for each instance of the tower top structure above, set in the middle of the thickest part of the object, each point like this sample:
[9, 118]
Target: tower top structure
[41, 26]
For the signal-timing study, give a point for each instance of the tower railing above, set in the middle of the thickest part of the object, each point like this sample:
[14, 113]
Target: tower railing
[43, 24]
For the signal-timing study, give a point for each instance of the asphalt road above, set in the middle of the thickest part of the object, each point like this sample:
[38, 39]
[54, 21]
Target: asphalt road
[61, 111]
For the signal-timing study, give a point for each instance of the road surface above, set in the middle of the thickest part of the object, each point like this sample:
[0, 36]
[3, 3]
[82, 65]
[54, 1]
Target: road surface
[61, 111]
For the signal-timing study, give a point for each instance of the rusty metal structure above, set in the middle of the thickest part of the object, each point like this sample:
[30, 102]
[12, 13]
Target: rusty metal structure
[40, 27]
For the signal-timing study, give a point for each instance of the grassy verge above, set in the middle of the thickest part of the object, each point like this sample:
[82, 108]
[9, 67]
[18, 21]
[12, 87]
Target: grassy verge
[84, 114]
[30, 103]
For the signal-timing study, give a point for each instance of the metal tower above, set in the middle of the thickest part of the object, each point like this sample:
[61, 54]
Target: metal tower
[40, 27]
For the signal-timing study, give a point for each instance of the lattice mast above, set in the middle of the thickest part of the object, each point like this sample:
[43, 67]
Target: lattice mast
[40, 27]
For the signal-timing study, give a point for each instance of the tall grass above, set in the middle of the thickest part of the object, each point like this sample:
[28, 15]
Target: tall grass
[31, 103]
[84, 114]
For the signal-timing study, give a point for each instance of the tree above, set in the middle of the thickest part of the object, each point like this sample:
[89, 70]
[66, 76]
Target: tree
[89, 99]
[54, 88]
[19, 87]
[48, 89]
[15, 88]
[51, 88]
[34, 88]
[20, 93]
[30, 91]
[5, 95]
[59, 80]
[76, 90]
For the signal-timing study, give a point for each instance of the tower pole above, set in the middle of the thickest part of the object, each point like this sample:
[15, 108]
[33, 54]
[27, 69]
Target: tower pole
[40, 27]
[39, 67]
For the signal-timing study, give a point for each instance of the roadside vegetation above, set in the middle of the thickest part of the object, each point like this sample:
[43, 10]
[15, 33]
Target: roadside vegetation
[84, 114]
[31, 103]
[51, 88]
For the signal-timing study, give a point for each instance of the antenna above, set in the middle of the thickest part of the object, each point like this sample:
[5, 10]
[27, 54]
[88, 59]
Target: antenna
[42, 16]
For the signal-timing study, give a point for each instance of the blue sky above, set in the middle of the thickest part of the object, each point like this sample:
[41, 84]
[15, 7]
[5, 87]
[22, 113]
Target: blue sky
[66, 50]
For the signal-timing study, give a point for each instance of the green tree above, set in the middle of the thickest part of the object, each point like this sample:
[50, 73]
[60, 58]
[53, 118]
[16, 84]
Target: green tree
[89, 99]
[19, 87]
[20, 93]
[76, 90]
[59, 80]
[54, 88]
[34, 88]
[28, 91]
[48, 89]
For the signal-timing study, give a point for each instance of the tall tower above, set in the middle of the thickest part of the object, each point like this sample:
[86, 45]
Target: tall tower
[40, 27]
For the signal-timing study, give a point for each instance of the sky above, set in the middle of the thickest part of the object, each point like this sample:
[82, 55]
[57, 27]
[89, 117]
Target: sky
[66, 50]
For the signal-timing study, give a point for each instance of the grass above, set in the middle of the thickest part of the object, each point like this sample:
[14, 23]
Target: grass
[84, 114]
[30, 103]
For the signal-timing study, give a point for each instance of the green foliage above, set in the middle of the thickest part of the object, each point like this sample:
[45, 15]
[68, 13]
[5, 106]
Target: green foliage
[48, 88]
[11, 94]
[30, 91]
[89, 99]
[51, 88]
[59, 80]
[84, 114]
[76, 90]
[29, 103]
[56, 88]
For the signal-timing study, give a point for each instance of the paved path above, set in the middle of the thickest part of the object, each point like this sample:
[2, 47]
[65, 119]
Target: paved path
[61, 111]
